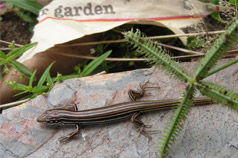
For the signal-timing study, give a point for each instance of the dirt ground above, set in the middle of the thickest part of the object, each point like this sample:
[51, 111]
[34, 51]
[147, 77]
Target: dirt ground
[14, 29]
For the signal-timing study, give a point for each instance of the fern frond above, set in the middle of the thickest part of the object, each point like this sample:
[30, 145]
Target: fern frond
[155, 54]
[177, 120]
[225, 41]
[219, 94]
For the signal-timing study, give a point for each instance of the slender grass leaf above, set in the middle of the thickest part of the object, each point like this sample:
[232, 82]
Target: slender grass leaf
[21, 68]
[39, 89]
[95, 63]
[50, 81]
[44, 75]
[65, 77]
[32, 78]
[30, 96]
[28, 5]
[17, 86]
[26, 17]
[23, 92]
[19, 51]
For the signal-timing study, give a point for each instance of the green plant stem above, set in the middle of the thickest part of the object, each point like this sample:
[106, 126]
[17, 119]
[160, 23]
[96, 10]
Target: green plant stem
[222, 67]
[177, 121]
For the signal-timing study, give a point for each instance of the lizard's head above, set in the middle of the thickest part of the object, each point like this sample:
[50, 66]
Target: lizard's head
[49, 116]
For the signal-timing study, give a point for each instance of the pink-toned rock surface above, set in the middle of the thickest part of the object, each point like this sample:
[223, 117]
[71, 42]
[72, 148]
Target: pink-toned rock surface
[210, 131]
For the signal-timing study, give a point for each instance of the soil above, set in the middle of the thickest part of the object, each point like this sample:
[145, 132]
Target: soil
[14, 29]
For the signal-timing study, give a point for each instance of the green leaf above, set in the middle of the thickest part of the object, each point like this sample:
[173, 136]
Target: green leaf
[17, 86]
[21, 68]
[177, 121]
[19, 51]
[222, 67]
[30, 96]
[216, 2]
[32, 78]
[156, 54]
[65, 77]
[39, 89]
[20, 93]
[195, 42]
[50, 81]
[28, 5]
[234, 2]
[2, 55]
[219, 94]
[44, 75]
[95, 63]
[12, 45]
[3, 62]
[26, 17]
[216, 16]
[220, 47]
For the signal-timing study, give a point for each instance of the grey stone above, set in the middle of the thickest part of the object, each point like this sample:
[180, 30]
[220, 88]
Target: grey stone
[210, 131]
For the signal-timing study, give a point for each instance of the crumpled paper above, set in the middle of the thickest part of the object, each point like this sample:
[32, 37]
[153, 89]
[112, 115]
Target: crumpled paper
[62, 21]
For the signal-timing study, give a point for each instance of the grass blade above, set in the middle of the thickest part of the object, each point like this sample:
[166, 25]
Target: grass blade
[19, 51]
[32, 78]
[28, 5]
[21, 68]
[95, 63]
[44, 75]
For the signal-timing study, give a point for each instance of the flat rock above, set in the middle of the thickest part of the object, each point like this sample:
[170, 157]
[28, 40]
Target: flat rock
[210, 131]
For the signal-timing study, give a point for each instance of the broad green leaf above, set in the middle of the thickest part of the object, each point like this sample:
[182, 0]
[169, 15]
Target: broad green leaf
[19, 51]
[44, 75]
[95, 63]
[29, 5]
[21, 68]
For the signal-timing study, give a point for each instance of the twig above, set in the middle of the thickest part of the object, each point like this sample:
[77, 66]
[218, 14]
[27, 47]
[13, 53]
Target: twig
[229, 54]
[154, 37]
[122, 59]
[5, 49]
[8, 105]
[6, 42]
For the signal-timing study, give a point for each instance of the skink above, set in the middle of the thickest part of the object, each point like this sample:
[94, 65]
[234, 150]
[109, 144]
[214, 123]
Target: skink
[72, 116]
